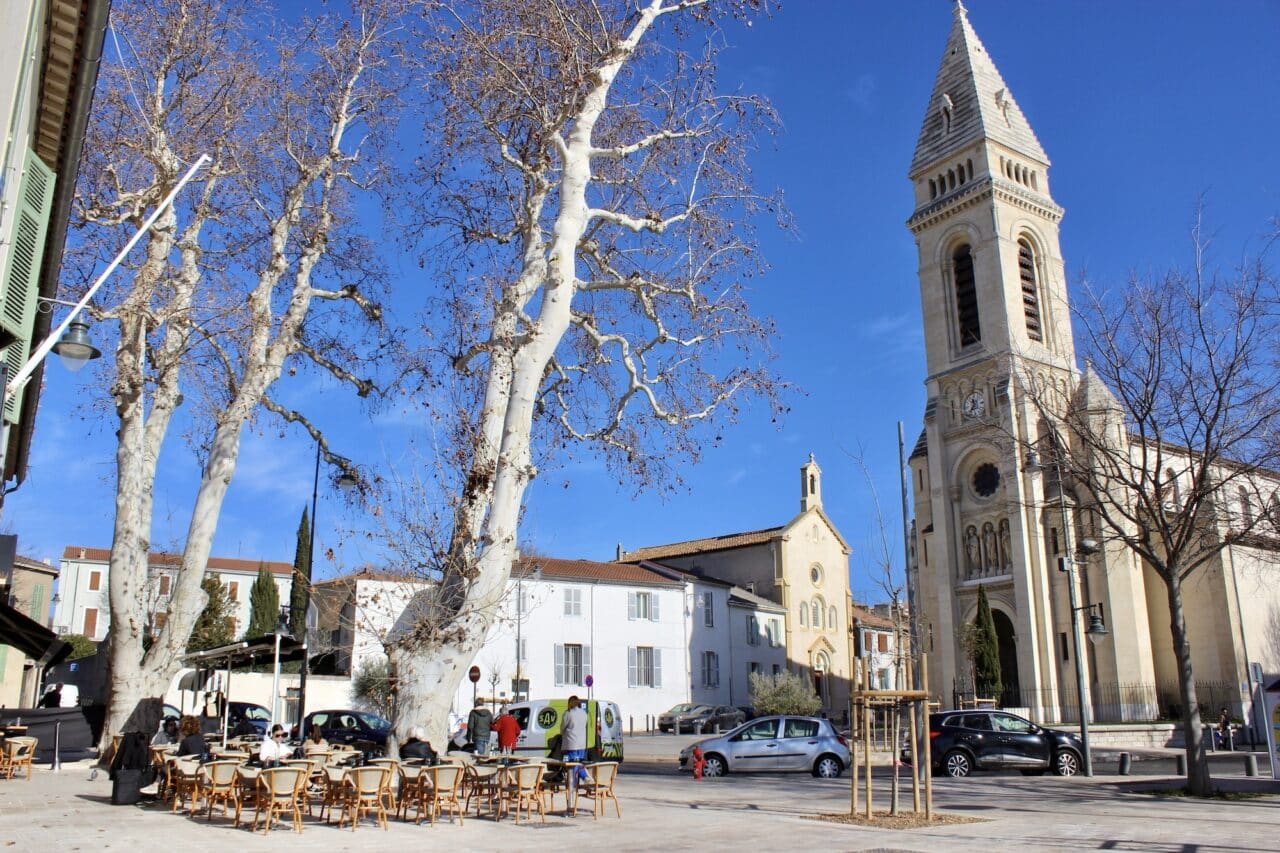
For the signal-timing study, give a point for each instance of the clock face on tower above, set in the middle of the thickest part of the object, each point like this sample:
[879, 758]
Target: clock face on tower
[974, 405]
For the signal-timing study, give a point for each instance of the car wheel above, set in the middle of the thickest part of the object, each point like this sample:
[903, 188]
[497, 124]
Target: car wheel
[1066, 763]
[957, 764]
[714, 766]
[828, 767]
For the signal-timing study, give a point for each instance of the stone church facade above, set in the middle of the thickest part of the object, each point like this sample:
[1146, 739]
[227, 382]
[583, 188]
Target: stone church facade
[996, 315]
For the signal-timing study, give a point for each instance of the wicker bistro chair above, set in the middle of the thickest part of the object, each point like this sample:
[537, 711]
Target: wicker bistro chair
[521, 787]
[183, 782]
[415, 785]
[366, 789]
[277, 793]
[442, 790]
[482, 784]
[216, 782]
[598, 787]
[392, 791]
[18, 753]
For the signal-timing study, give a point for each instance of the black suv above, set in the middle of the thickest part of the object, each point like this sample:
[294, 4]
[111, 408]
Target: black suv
[964, 741]
[346, 726]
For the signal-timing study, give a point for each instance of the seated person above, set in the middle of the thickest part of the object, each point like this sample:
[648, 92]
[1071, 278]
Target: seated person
[315, 742]
[274, 749]
[244, 728]
[192, 742]
[168, 733]
[417, 747]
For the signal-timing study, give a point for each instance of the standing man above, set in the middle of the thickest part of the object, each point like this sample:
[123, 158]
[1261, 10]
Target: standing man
[508, 729]
[479, 724]
[573, 736]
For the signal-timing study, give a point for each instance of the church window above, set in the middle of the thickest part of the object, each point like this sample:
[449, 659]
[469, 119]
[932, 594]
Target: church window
[933, 189]
[1034, 186]
[968, 165]
[1062, 642]
[817, 613]
[815, 574]
[986, 479]
[832, 619]
[966, 296]
[1053, 540]
[1030, 296]
[1246, 507]
[804, 614]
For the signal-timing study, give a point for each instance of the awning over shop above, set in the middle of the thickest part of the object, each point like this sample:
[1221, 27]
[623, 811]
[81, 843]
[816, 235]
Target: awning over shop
[31, 638]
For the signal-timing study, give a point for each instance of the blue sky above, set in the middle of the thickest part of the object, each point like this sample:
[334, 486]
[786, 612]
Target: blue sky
[1143, 107]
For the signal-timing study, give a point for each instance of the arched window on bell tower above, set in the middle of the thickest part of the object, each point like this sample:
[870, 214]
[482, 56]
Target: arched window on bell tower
[970, 328]
[1030, 292]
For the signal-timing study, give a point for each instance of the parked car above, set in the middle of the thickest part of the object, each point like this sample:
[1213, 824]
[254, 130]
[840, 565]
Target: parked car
[668, 720]
[701, 718]
[258, 716]
[347, 726]
[775, 743]
[748, 712]
[540, 721]
[964, 741]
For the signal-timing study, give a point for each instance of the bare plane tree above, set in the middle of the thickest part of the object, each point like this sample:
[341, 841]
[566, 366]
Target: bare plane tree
[590, 209]
[242, 280]
[1175, 436]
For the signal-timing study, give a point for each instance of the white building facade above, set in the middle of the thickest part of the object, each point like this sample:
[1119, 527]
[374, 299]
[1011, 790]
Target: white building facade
[82, 606]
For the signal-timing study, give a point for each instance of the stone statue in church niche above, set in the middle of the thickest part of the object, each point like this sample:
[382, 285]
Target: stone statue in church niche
[973, 548]
[1006, 551]
[990, 546]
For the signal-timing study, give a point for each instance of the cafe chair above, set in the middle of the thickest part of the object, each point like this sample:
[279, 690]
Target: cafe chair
[18, 753]
[216, 782]
[183, 782]
[366, 789]
[522, 788]
[278, 791]
[444, 781]
[414, 782]
[598, 787]
[482, 783]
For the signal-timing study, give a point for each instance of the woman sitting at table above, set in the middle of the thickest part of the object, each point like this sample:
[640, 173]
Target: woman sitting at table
[192, 742]
[274, 750]
[417, 747]
[315, 742]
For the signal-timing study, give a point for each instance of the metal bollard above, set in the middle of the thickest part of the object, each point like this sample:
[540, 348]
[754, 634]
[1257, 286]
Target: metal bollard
[1181, 761]
[56, 765]
[1124, 764]
[1251, 765]
[632, 723]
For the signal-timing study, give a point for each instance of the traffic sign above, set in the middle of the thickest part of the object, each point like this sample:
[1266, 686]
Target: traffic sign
[474, 674]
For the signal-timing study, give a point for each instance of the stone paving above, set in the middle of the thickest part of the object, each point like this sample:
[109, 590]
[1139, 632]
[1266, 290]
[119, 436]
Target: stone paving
[661, 808]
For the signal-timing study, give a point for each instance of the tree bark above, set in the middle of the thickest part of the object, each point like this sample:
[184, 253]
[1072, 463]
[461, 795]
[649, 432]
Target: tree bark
[1198, 781]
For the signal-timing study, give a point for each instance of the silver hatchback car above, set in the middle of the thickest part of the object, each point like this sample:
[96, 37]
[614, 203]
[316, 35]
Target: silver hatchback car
[774, 743]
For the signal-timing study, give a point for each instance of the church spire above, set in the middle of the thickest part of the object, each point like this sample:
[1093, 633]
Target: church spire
[970, 102]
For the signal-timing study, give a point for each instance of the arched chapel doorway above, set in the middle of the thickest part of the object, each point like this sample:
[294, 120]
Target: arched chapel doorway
[1007, 643]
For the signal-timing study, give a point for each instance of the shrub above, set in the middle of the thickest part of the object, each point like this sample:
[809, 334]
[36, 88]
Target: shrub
[783, 693]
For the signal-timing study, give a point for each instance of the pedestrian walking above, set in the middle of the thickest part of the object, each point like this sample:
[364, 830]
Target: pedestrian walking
[479, 724]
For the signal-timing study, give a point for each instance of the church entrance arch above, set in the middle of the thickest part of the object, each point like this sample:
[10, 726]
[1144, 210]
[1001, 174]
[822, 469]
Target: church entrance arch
[1007, 643]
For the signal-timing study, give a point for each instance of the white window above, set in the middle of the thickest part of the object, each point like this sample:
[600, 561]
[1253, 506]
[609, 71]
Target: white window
[522, 601]
[710, 669]
[775, 633]
[642, 605]
[573, 663]
[753, 630]
[572, 601]
[709, 609]
[644, 666]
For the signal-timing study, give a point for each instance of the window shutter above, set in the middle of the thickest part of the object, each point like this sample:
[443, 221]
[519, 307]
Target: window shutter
[657, 667]
[631, 666]
[586, 662]
[631, 606]
[21, 283]
[715, 670]
[559, 652]
[653, 607]
[568, 608]
[705, 675]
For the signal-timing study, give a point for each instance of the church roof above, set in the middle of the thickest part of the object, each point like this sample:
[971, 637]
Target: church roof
[980, 103]
[701, 546]
[922, 445]
[1093, 395]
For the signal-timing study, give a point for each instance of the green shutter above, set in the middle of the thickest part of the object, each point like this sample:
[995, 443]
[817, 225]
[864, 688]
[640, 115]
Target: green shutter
[21, 283]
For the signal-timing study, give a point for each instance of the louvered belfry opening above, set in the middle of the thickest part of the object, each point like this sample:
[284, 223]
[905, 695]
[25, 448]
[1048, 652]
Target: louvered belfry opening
[1030, 299]
[966, 297]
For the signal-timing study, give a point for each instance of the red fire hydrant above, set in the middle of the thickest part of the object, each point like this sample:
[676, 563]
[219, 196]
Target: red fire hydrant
[698, 762]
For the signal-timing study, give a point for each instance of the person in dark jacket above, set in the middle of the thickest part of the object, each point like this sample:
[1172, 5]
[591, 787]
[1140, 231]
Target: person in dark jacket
[418, 748]
[192, 742]
[479, 724]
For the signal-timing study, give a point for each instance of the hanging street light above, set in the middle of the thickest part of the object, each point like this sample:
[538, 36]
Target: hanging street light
[74, 347]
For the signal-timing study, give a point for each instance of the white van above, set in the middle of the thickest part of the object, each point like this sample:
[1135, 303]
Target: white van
[540, 721]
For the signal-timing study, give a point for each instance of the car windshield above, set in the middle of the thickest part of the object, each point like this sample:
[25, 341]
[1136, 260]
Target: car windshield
[683, 708]
[373, 721]
[702, 709]
[253, 712]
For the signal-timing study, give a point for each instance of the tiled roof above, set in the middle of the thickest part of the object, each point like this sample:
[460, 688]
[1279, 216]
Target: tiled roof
[21, 562]
[589, 570]
[981, 105]
[702, 546]
[371, 574]
[738, 594]
[164, 559]
[869, 618]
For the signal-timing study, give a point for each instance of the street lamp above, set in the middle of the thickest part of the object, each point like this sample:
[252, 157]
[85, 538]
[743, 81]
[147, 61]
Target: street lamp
[1067, 564]
[346, 482]
[282, 630]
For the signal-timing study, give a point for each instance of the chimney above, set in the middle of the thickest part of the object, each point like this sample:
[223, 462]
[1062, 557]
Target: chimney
[618, 558]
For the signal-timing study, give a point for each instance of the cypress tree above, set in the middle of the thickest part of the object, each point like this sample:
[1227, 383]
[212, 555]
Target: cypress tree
[212, 628]
[986, 649]
[301, 578]
[264, 604]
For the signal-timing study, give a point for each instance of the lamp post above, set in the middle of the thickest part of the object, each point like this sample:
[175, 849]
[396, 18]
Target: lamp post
[346, 483]
[282, 630]
[1067, 563]
[70, 339]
